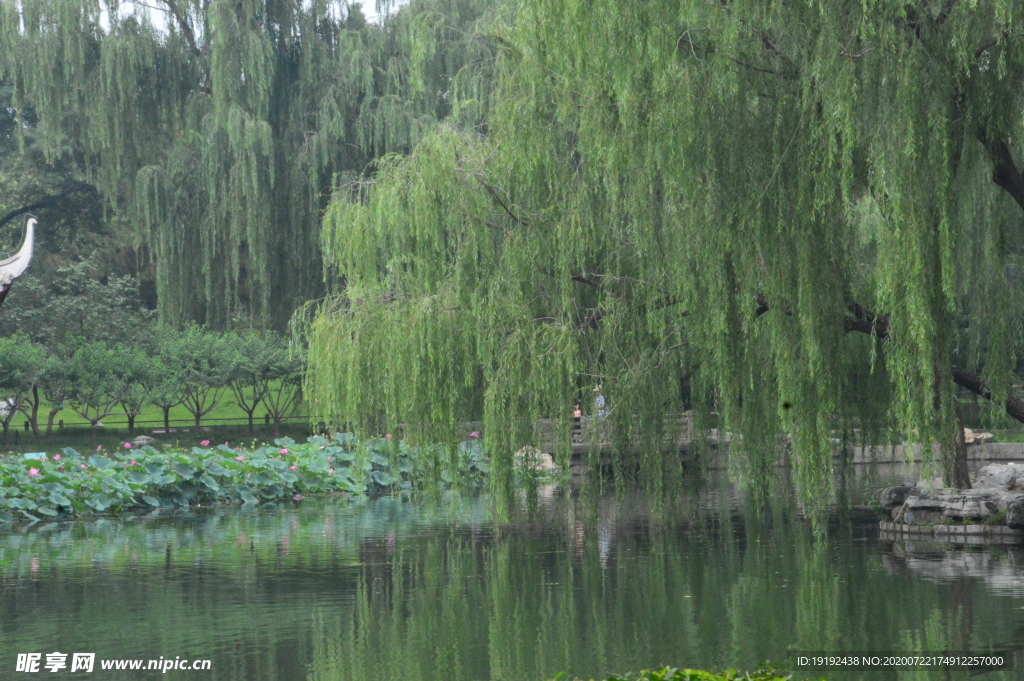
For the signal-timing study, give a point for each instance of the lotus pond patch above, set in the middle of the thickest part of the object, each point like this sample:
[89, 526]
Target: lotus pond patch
[71, 483]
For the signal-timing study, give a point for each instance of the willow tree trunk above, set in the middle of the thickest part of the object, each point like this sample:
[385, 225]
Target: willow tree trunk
[167, 420]
[955, 472]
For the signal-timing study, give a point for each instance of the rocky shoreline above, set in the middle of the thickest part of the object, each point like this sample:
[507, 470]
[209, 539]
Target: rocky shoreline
[992, 511]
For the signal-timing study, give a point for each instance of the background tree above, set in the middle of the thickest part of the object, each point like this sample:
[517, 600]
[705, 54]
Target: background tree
[282, 380]
[21, 363]
[77, 301]
[254, 354]
[217, 135]
[141, 375]
[98, 382]
[56, 383]
[167, 389]
[687, 198]
[202, 362]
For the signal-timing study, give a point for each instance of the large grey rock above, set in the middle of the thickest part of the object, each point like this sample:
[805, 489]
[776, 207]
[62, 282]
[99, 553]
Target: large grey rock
[926, 506]
[1000, 476]
[891, 497]
[1015, 514]
[143, 440]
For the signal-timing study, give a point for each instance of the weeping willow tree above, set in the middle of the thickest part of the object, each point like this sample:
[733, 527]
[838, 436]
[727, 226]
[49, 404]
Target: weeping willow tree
[218, 126]
[805, 216]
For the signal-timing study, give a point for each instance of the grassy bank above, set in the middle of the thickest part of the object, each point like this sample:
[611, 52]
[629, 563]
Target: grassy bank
[226, 411]
[71, 483]
[112, 438]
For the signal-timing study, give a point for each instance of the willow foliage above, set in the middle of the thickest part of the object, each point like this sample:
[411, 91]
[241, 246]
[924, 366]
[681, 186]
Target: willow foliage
[697, 202]
[220, 129]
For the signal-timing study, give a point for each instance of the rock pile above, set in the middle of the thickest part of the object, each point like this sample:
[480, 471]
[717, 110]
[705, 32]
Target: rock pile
[533, 459]
[972, 438]
[996, 490]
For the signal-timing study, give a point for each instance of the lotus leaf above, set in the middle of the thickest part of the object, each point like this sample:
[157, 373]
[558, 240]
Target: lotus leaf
[100, 462]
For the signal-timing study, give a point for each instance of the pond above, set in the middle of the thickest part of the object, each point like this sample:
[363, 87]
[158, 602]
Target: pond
[434, 589]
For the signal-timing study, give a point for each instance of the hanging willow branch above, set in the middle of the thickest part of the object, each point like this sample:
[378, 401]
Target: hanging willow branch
[642, 151]
[216, 132]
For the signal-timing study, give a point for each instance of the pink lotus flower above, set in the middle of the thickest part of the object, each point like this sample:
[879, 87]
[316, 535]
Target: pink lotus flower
[293, 468]
[225, 444]
[100, 448]
[298, 497]
[388, 436]
[84, 467]
[205, 443]
[330, 470]
[239, 458]
[330, 458]
[56, 457]
[283, 450]
[61, 467]
[474, 434]
[127, 445]
[134, 462]
[33, 472]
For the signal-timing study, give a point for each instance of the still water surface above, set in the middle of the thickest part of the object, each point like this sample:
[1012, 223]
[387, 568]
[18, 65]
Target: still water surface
[410, 589]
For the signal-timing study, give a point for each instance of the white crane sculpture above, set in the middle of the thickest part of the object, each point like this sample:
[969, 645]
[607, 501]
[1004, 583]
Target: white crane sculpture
[15, 266]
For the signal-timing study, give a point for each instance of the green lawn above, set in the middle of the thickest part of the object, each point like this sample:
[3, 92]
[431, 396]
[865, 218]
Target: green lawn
[226, 422]
[80, 439]
[226, 412]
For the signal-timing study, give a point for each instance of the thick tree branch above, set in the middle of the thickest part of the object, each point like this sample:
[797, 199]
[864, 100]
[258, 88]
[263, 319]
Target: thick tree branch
[588, 280]
[965, 379]
[185, 26]
[1004, 170]
[762, 304]
[867, 322]
[46, 202]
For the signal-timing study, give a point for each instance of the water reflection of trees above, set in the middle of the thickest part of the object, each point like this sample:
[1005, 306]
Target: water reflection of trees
[385, 589]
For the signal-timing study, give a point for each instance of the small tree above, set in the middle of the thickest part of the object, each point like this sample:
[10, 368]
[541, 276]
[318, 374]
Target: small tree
[56, 383]
[202, 361]
[21, 363]
[254, 354]
[283, 381]
[140, 378]
[99, 380]
[167, 391]
[167, 372]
